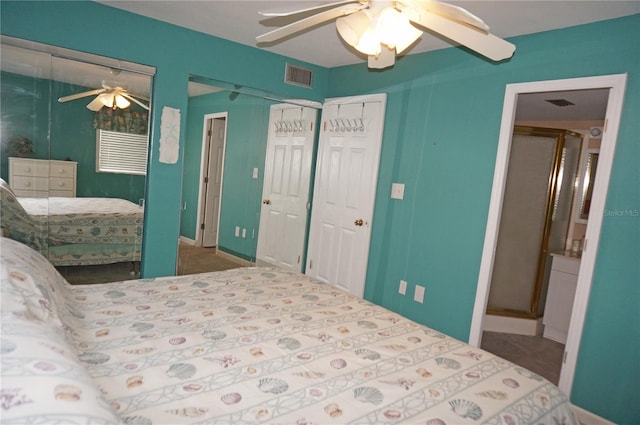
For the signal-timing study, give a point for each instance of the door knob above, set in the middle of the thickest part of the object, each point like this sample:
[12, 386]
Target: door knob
[358, 222]
[266, 202]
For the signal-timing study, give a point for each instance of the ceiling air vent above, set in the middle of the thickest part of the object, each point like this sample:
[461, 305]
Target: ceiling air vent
[298, 76]
[560, 102]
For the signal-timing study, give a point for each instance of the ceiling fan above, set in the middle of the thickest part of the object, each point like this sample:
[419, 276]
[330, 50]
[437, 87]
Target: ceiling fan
[382, 29]
[109, 96]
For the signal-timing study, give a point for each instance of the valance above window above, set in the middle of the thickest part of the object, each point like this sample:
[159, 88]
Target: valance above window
[127, 120]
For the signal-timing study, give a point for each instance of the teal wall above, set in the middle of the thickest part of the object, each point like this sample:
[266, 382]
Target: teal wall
[247, 127]
[59, 131]
[441, 132]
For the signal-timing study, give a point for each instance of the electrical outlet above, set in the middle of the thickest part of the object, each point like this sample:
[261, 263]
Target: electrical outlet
[418, 295]
[244, 233]
[237, 231]
[402, 289]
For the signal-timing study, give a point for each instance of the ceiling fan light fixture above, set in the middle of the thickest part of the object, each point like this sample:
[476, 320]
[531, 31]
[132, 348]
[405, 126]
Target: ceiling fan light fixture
[106, 99]
[395, 30]
[352, 27]
[369, 43]
[111, 99]
[121, 102]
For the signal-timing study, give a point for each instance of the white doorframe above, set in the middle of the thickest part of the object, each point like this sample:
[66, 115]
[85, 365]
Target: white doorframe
[203, 164]
[616, 84]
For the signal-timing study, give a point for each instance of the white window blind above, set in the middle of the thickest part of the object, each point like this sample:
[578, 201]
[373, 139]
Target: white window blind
[122, 153]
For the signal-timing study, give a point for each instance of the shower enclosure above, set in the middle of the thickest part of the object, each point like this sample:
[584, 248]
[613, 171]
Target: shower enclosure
[536, 214]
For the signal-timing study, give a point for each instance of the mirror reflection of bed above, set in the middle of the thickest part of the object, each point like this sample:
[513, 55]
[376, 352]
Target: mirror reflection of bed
[76, 169]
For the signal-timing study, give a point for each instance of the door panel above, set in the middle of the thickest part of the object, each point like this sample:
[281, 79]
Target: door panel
[345, 186]
[287, 175]
[213, 181]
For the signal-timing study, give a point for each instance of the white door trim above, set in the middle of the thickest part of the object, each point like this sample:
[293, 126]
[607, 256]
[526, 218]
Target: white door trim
[616, 84]
[203, 164]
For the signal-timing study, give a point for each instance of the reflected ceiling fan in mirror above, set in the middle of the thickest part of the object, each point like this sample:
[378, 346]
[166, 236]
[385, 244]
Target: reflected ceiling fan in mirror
[382, 29]
[109, 96]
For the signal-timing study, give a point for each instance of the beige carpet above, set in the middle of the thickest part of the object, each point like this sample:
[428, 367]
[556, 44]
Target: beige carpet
[191, 260]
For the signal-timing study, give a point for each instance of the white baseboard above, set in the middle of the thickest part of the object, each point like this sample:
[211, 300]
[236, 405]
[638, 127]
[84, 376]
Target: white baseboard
[587, 418]
[232, 257]
[187, 240]
[262, 263]
[512, 325]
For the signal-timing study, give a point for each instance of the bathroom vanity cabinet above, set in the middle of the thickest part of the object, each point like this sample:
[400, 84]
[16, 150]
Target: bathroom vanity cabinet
[562, 288]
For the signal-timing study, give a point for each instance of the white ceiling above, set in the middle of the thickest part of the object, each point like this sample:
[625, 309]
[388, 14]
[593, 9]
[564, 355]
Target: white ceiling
[239, 21]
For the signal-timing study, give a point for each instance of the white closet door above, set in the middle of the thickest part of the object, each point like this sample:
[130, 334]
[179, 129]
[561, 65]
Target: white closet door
[287, 174]
[344, 192]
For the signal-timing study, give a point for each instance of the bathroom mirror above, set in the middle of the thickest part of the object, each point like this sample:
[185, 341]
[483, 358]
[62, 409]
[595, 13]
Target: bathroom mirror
[590, 166]
[74, 152]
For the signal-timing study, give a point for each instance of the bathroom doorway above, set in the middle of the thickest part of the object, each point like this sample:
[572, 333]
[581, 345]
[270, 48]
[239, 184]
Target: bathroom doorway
[615, 85]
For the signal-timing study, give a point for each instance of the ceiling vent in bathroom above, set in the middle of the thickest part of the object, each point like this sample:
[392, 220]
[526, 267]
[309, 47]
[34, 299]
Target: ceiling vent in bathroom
[560, 102]
[298, 76]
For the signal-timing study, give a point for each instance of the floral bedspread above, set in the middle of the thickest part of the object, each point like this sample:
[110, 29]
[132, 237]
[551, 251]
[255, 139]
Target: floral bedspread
[87, 220]
[262, 345]
[74, 231]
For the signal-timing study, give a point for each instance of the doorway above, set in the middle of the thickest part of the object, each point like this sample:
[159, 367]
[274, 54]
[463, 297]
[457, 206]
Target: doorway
[214, 136]
[615, 84]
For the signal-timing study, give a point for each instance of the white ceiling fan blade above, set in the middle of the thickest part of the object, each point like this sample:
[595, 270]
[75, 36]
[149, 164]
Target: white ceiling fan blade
[487, 45]
[289, 12]
[80, 95]
[305, 23]
[128, 96]
[95, 105]
[385, 59]
[446, 10]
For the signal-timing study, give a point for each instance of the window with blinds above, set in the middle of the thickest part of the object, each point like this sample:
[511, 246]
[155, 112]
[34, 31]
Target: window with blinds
[121, 153]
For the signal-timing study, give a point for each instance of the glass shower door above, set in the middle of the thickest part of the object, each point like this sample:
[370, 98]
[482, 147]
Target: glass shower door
[535, 218]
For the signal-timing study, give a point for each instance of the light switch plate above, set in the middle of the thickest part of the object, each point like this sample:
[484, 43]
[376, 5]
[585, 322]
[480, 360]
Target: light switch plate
[255, 173]
[397, 191]
[419, 294]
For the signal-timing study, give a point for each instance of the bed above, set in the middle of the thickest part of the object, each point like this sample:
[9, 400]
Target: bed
[74, 231]
[243, 346]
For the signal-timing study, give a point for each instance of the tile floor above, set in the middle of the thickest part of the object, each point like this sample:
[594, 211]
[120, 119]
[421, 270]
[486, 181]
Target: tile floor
[540, 355]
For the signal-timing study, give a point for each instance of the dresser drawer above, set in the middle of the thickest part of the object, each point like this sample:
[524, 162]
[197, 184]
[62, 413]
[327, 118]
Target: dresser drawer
[30, 168]
[61, 193]
[60, 184]
[28, 183]
[41, 177]
[31, 193]
[62, 169]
